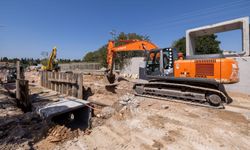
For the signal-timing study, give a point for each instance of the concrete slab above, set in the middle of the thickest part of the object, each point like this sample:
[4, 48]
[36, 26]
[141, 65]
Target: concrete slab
[62, 106]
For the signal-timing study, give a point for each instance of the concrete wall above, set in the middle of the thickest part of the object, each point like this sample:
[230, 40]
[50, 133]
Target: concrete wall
[244, 85]
[131, 69]
[81, 66]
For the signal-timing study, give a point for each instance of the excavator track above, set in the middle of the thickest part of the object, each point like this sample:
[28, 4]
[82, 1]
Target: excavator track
[182, 101]
[199, 92]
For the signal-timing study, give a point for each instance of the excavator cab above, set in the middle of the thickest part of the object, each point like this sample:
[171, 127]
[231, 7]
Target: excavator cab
[160, 62]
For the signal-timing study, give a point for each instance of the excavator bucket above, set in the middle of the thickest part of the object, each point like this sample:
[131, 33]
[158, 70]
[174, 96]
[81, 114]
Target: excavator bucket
[110, 78]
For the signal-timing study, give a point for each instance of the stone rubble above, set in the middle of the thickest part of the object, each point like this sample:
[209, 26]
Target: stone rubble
[129, 100]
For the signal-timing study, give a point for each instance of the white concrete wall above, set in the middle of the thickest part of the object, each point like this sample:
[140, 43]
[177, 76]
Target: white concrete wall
[244, 72]
[131, 69]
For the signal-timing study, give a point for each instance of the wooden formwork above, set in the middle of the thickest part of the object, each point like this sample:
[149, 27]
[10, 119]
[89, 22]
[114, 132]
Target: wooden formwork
[64, 83]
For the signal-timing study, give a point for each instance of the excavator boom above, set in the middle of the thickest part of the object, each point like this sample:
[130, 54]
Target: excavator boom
[131, 45]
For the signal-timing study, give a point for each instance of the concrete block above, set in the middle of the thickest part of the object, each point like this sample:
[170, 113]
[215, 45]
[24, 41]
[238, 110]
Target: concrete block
[240, 23]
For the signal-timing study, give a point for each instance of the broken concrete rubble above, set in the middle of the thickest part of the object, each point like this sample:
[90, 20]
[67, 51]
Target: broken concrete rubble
[129, 100]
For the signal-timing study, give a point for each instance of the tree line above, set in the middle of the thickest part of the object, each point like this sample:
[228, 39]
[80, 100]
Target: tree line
[34, 62]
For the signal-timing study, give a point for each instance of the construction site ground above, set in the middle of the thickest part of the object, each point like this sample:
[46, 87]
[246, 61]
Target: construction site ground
[124, 121]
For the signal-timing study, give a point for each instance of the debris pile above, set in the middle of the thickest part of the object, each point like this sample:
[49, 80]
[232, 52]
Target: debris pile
[129, 100]
[20, 129]
[106, 112]
[61, 133]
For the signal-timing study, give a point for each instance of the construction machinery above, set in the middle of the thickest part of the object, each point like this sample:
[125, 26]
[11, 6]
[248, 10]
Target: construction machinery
[52, 64]
[196, 80]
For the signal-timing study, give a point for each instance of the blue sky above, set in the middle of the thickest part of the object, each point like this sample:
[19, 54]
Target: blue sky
[29, 27]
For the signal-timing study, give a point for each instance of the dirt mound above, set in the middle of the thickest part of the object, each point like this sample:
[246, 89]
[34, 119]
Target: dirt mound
[60, 133]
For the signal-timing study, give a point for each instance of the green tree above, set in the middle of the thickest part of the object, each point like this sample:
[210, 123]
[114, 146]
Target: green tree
[180, 45]
[207, 44]
[101, 54]
[5, 59]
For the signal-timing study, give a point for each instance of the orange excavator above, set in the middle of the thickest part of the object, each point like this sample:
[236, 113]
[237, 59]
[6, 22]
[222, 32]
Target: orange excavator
[196, 80]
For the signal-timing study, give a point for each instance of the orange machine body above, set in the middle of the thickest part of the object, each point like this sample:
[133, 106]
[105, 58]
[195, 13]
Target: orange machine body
[223, 70]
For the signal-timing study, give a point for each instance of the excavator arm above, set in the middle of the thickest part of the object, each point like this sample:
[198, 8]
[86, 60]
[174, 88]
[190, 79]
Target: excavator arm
[51, 60]
[131, 45]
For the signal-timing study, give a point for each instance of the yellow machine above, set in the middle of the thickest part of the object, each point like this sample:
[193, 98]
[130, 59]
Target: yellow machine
[52, 63]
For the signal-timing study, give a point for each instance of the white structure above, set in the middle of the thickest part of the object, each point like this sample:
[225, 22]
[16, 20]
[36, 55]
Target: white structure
[240, 23]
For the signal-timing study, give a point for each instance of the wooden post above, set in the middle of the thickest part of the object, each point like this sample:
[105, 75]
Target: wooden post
[63, 84]
[79, 84]
[74, 89]
[59, 83]
[17, 80]
[53, 84]
[47, 79]
[67, 86]
[41, 78]
[56, 85]
[22, 90]
[24, 100]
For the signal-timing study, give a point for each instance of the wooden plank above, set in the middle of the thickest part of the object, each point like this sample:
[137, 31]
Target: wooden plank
[49, 83]
[56, 87]
[63, 81]
[79, 85]
[18, 96]
[64, 85]
[45, 79]
[67, 86]
[74, 88]
[59, 83]
[53, 84]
